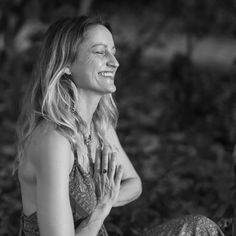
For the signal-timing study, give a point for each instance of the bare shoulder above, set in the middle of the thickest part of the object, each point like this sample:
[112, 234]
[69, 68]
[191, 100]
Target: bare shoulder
[49, 148]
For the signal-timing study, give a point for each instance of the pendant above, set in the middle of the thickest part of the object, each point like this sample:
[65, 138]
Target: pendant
[88, 140]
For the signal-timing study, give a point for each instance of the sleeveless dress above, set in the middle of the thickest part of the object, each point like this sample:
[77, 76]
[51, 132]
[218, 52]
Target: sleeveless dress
[83, 201]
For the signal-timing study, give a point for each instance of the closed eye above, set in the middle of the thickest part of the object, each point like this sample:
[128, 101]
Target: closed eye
[100, 52]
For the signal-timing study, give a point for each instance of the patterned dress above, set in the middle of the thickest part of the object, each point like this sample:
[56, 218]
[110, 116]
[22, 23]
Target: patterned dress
[191, 225]
[82, 199]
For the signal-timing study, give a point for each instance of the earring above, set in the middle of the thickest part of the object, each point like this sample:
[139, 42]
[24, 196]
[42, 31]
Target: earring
[67, 71]
[73, 108]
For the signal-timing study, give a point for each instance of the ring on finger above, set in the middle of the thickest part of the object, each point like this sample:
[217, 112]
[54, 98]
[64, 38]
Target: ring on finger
[104, 171]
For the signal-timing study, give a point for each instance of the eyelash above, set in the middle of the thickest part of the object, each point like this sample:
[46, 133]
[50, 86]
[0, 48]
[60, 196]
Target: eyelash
[103, 53]
[100, 52]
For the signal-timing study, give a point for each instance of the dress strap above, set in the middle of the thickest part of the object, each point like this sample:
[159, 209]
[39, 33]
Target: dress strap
[21, 225]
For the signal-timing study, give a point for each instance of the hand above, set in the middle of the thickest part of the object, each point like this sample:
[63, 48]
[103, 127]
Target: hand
[107, 177]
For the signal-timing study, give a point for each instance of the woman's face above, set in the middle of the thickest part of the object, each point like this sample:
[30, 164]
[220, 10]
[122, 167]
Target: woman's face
[96, 65]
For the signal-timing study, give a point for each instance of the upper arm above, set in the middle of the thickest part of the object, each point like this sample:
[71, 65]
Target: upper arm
[52, 168]
[129, 171]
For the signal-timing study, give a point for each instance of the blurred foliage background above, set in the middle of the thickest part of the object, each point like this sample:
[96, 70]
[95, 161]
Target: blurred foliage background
[175, 93]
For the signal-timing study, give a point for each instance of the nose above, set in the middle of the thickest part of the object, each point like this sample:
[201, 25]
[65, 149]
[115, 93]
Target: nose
[112, 61]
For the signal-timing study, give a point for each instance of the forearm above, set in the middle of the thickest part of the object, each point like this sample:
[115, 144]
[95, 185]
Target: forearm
[91, 225]
[129, 191]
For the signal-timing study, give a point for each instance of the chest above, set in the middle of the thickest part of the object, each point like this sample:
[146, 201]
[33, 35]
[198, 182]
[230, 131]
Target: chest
[82, 192]
[86, 154]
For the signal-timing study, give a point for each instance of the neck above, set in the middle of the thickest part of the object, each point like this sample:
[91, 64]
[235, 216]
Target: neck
[87, 105]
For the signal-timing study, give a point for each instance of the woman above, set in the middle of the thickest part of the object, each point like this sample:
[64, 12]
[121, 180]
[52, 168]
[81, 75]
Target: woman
[71, 166]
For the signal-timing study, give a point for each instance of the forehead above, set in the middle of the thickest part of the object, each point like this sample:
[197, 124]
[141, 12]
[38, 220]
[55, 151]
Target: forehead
[96, 35]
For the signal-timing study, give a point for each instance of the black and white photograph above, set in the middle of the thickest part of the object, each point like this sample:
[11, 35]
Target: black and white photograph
[117, 118]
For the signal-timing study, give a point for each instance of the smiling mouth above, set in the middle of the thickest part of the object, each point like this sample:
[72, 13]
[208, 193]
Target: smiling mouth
[109, 74]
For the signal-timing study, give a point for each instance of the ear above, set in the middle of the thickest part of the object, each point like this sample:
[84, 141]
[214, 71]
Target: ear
[67, 71]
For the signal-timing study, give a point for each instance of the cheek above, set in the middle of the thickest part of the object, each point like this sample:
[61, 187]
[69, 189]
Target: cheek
[94, 64]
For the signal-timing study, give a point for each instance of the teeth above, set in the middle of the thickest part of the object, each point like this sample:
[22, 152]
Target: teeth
[106, 73]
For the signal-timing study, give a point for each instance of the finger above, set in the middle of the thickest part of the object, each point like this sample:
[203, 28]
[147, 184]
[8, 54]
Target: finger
[99, 190]
[112, 165]
[118, 175]
[105, 154]
[104, 165]
[97, 163]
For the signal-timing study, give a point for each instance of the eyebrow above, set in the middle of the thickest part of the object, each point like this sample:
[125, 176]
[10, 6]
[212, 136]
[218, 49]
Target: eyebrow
[102, 44]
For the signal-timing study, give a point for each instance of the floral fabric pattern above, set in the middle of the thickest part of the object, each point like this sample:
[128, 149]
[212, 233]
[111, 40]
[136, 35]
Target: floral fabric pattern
[192, 225]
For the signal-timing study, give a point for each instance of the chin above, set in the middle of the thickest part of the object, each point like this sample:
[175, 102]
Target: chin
[107, 90]
[112, 90]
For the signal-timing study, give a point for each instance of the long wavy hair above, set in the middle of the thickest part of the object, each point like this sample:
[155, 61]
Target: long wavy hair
[52, 95]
